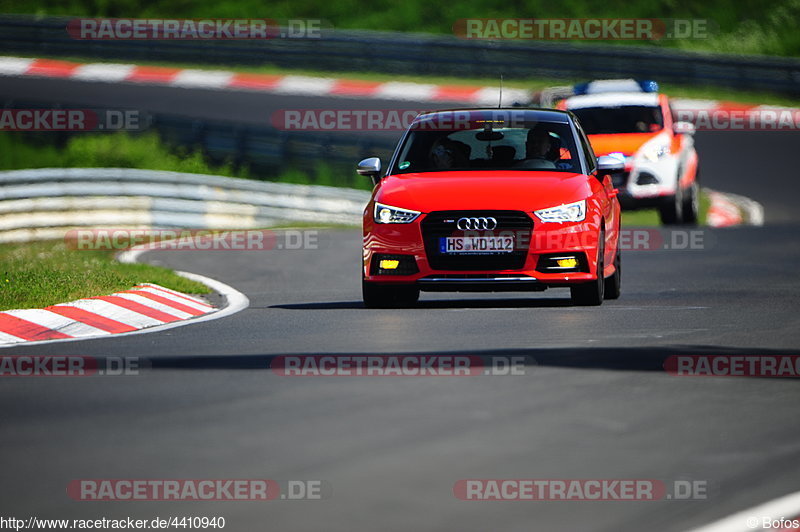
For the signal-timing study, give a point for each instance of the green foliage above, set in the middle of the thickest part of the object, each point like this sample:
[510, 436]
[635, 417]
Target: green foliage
[117, 150]
[744, 26]
[146, 151]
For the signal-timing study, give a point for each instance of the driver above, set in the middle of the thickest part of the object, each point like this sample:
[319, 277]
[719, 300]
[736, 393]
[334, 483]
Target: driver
[539, 147]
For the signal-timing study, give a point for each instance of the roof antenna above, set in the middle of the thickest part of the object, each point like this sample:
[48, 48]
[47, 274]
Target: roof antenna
[500, 103]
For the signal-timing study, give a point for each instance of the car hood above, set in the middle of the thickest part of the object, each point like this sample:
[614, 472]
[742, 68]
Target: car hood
[475, 190]
[625, 143]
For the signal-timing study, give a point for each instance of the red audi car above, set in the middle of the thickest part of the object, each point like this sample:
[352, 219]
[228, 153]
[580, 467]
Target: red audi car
[491, 200]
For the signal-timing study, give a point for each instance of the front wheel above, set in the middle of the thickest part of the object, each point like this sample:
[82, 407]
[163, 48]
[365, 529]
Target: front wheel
[671, 212]
[691, 204]
[614, 282]
[388, 296]
[591, 294]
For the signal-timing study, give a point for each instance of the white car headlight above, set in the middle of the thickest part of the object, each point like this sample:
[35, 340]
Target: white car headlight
[655, 153]
[570, 212]
[386, 214]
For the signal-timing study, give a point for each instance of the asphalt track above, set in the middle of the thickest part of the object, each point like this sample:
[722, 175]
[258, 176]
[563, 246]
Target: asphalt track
[596, 404]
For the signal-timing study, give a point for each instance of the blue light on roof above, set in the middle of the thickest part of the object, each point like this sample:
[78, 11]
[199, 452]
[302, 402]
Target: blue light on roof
[648, 85]
[581, 88]
[615, 85]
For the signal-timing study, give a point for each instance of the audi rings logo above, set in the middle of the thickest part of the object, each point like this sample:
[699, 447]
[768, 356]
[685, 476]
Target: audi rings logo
[474, 224]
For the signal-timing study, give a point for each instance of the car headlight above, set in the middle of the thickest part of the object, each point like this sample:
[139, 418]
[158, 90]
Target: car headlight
[570, 212]
[386, 214]
[655, 153]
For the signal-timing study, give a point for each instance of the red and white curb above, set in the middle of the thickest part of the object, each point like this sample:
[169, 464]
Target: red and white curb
[143, 309]
[296, 85]
[731, 209]
[279, 84]
[143, 306]
[190, 78]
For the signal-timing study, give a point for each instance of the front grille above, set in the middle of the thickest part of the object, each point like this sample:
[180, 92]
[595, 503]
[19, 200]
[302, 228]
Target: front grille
[443, 224]
[646, 178]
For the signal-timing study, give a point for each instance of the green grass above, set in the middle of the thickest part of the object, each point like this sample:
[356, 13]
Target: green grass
[645, 217]
[38, 274]
[744, 26]
[649, 217]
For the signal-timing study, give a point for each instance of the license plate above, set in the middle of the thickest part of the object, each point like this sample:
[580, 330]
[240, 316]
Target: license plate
[476, 244]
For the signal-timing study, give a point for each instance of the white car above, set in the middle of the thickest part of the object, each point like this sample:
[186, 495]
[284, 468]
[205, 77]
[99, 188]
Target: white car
[632, 121]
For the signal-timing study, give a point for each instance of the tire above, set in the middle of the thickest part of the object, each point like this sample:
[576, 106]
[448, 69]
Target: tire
[590, 294]
[614, 282]
[672, 210]
[691, 204]
[388, 296]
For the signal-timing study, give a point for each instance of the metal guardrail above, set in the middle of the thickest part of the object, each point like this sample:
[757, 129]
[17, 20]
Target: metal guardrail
[404, 53]
[46, 203]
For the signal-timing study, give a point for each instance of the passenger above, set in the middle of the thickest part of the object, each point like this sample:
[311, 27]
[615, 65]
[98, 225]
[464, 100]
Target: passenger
[447, 153]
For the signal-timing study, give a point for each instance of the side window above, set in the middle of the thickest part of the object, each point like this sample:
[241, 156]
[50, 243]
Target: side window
[588, 152]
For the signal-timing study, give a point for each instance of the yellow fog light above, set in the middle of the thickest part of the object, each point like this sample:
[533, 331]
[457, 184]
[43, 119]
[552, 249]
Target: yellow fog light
[387, 264]
[567, 263]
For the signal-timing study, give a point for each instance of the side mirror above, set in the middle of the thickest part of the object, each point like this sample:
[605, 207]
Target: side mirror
[609, 165]
[683, 128]
[370, 167]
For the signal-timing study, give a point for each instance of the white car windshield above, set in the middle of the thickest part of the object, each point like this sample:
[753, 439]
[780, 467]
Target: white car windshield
[622, 119]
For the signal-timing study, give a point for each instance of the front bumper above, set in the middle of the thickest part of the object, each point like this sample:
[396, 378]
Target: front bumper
[480, 283]
[646, 186]
[529, 269]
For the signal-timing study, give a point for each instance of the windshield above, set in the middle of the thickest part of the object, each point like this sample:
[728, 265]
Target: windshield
[624, 119]
[539, 146]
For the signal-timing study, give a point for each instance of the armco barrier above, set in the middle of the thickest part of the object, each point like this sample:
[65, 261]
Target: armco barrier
[45, 203]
